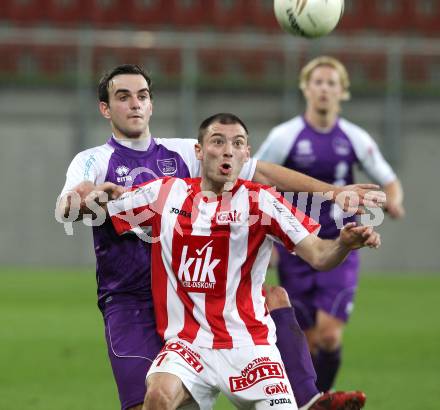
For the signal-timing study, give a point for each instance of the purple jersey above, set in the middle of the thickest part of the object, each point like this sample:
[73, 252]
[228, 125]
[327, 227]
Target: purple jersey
[329, 156]
[123, 263]
[326, 156]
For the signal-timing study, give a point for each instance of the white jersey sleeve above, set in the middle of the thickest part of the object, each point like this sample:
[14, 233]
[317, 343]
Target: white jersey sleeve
[280, 140]
[248, 170]
[368, 153]
[136, 208]
[283, 222]
[185, 148]
[89, 165]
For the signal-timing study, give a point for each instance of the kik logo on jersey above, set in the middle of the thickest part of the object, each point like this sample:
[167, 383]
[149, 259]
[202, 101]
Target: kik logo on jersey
[202, 264]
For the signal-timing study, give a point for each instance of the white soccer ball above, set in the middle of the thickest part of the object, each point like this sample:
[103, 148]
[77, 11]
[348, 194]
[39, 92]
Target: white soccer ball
[308, 18]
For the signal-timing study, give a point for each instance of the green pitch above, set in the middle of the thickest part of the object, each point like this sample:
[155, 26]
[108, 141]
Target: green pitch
[53, 354]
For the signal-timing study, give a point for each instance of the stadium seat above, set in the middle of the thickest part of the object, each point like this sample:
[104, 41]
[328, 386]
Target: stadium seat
[364, 68]
[415, 69]
[426, 17]
[68, 13]
[158, 62]
[24, 13]
[189, 14]
[5, 10]
[375, 67]
[233, 65]
[57, 61]
[9, 63]
[263, 65]
[47, 61]
[108, 13]
[250, 65]
[209, 63]
[390, 15]
[262, 17]
[146, 15]
[229, 14]
[356, 16]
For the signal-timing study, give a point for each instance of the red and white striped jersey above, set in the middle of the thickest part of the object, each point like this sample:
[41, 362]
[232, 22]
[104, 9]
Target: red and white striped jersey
[209, 256]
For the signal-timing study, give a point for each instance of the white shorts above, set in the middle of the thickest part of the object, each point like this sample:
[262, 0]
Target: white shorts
[251, 377]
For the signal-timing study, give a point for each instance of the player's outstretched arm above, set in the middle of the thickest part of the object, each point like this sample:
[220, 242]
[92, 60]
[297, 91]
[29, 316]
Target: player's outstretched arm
[394, 204]
[350, 197]
[75, 201]
[327, 254]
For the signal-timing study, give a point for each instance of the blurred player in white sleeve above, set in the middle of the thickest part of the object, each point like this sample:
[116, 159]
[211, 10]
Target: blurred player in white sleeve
[325, 146]
[211, 243]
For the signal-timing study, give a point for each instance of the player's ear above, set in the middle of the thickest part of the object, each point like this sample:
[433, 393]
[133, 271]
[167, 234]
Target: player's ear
[198, 150]
[104, 109]
[305, 92]
[248, 153]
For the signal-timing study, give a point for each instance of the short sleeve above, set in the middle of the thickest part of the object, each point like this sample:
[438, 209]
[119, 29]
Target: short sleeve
[89, 165]
[283, 222]
[273, 149]
[277, 145]
[368, 154]
[248, 170]
[135, 208]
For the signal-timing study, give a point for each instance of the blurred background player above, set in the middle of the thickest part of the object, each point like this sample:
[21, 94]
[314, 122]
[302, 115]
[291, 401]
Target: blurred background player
[214, 322]
[132, 156]
[325, 146]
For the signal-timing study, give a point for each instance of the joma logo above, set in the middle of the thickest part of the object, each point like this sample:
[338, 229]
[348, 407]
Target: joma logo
[274, 402]
[180, 212]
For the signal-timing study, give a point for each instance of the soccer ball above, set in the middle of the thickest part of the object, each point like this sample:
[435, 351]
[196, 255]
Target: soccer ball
[308, 18]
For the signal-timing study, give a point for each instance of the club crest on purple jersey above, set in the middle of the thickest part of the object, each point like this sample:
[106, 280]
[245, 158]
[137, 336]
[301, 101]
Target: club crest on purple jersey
[304, 147]
[167, 166]
[341, 146]
[304, 155]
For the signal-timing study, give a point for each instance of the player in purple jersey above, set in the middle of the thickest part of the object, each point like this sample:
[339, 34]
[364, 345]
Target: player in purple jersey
[132, 156]
[327, 147]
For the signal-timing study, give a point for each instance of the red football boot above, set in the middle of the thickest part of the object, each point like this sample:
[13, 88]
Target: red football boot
[340, 400]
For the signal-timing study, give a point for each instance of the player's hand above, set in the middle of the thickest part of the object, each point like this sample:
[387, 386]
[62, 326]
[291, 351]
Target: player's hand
[355, 237]
[276, 297]
[395, 210]
[102, 194]
[354, 198]
[112, 190]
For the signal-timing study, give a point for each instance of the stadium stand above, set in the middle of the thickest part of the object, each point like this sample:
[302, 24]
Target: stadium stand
[23, 13]
[229, 15]
[261, 15]
[188, 14]
[387, 17]
[143, 13]
[66, 13]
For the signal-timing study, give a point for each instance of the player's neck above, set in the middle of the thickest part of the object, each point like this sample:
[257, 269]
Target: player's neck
[212, 189]
[321, 121]
[138, 143]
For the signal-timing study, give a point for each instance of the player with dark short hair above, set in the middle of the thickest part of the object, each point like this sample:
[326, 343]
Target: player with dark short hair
[208, 270]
